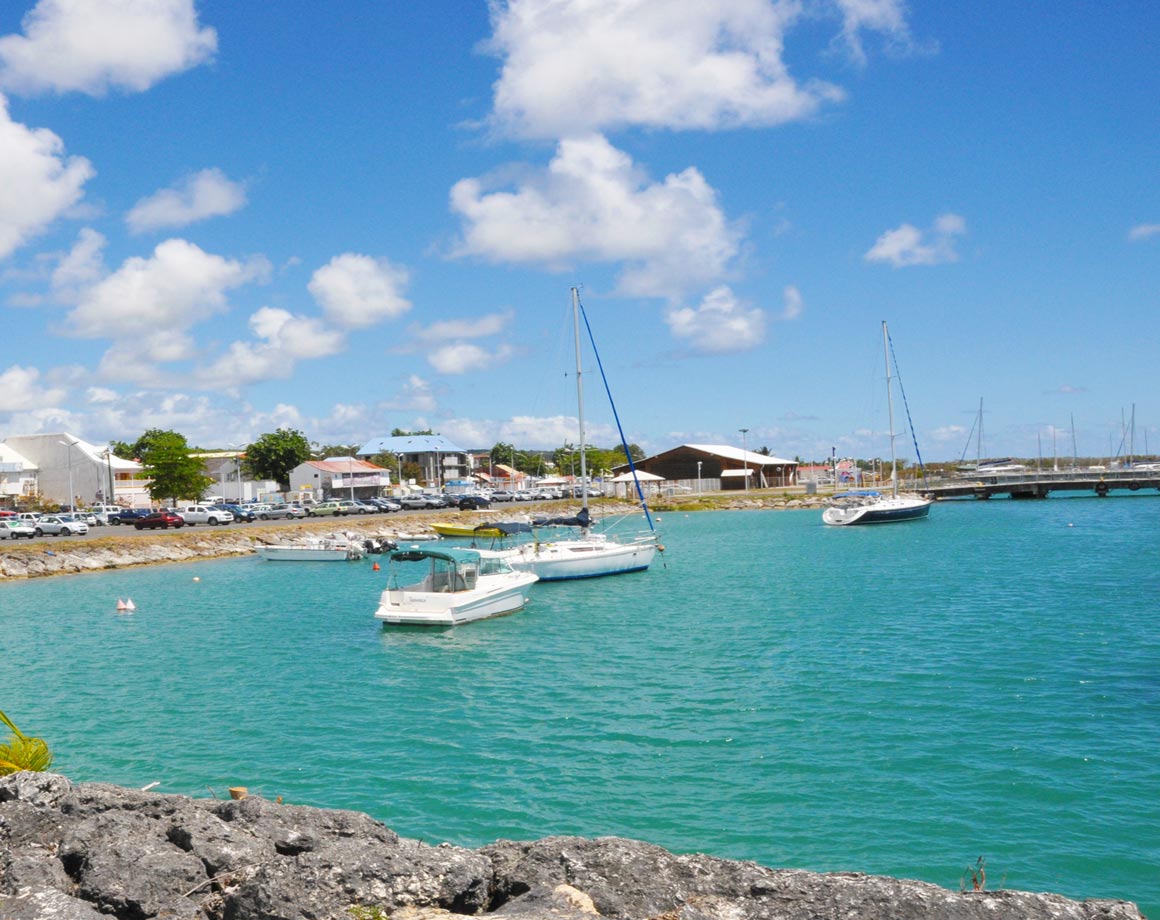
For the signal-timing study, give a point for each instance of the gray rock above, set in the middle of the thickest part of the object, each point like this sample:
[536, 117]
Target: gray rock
[94, 850]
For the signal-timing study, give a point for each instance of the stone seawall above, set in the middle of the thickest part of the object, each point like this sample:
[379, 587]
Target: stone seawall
[92, 851]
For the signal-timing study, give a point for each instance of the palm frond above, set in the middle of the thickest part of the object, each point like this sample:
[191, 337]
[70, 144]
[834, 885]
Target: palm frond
[22, 752]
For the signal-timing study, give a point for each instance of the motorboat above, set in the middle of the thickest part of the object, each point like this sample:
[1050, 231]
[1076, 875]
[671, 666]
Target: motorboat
[869, 507]
[430, 586]
[315, 549]
[465, 530]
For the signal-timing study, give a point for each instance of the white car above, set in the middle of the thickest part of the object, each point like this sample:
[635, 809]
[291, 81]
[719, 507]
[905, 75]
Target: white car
[60, 525]
[275, 512]
[12, 529]
[204, 514]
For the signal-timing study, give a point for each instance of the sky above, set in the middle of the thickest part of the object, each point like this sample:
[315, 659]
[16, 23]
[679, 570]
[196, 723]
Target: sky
[224, 218]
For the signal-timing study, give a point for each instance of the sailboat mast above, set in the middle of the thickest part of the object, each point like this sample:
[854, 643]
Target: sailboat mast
[580, 398]
[890, 411]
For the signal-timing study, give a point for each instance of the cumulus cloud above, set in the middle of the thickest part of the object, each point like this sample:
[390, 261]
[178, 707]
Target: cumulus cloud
[593, 204]
[356, 291]
[38, 183]
[603, 64]
[175, 288]
[81, 267]
[198, 196]
[91, 46]
[416, 395]
[792, 300]
[464, 357]
[21, 390]
[459, 329]
[721, 324]
[1143, 232]
[281, 340]
[907, 245]
[885, 16]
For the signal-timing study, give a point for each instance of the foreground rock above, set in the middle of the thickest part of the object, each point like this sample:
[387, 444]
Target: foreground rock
[87, 851]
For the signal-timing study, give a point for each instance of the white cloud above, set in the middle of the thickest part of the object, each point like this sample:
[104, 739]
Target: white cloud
[20, 390]
[1143, 232]
[792, 299]
[195, 197]
[356, 291]
[177, 287]
[81, 267]
[593, 204]
[464, 357]
[458, 329]
[416, 396]
[571, 68]
[38, 183]
[282, 340]
[721, 324]
[907, 245]
[885, 16]
[92, 46]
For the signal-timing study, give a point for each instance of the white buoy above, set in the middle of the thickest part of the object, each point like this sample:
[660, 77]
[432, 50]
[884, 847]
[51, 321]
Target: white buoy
[121, 604]
[129, 605]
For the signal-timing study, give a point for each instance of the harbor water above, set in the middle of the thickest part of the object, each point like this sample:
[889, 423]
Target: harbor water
[897, 700]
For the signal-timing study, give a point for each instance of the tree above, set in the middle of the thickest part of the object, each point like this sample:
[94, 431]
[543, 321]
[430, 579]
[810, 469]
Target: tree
[400, 433]
[121, 449]
[334, 450]
[21, 752]
[175, 474]
[275, 454]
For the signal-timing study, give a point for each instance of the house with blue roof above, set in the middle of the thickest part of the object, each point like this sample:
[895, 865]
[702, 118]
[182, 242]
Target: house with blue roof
[440, 459]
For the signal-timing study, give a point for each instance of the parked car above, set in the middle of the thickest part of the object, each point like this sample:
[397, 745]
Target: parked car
[204, 514]
[413, 502]
[162, 520]
[503, 495]
[325, 508]
[128, 515]
[12, 529]
[385, 505]
[349, 506]
[266, 512]
[59, 525]
[240, 512]
[473, 503]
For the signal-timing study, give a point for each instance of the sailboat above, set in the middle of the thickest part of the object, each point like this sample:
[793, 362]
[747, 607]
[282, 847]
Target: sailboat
[869, 507]
[592, 554]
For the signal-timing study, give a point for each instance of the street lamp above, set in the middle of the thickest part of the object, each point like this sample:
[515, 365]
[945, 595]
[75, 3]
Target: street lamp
[399, 457]
[699, 477]
[745, 455]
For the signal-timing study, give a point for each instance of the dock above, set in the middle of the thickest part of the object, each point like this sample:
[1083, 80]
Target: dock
[1040, 483]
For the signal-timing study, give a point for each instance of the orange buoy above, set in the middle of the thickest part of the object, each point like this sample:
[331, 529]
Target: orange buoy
[375, 567]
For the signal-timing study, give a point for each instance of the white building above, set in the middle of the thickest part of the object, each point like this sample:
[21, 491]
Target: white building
[17, 476]
[71, 471]
[339, 477]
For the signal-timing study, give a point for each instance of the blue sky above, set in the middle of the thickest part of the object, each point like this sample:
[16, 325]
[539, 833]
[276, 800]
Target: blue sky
[225, 217]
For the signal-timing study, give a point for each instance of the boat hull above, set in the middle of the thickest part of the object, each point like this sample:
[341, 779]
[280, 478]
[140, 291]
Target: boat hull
[321, 553]
[572, 559]
[496, 596]
[884, 511]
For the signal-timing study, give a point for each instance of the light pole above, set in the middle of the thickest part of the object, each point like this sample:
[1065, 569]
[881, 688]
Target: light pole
[399, 457]
[350, 472]
[71, 496]
[745, 455]
[699, 462]
[111, 499]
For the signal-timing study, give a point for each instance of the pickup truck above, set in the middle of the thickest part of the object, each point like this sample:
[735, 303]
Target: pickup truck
[204, 514]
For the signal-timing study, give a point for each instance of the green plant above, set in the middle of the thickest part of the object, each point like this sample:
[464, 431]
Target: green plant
[22, 752]
[361, 912]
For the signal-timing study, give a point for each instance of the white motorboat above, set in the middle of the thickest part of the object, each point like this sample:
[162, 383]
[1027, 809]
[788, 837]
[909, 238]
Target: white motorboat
[447, 587]
[312, 550]
[869, 507]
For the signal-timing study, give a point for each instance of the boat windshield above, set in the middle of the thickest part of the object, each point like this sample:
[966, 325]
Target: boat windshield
[433, 572]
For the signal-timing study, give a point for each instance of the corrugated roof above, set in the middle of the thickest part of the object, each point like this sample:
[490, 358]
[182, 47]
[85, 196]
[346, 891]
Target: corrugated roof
[348, 465]
[742, 456]
[410, 444]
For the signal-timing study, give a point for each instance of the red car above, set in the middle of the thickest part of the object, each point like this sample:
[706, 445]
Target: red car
[162, 519]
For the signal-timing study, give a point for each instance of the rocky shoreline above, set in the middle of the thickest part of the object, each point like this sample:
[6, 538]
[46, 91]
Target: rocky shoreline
[90, 851]
[120, 549]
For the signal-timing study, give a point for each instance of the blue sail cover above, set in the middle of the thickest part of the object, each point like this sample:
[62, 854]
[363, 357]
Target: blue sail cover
[583, 519]
[507, 527]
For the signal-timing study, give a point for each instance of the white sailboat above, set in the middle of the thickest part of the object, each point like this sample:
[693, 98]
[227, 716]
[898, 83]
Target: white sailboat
[593, 554]
[870, 507]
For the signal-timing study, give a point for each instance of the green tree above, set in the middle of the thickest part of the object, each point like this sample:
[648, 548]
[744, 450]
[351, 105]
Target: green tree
[275, 454]
[334, 450]
[400, 433]
[121, 449]
[175, 474]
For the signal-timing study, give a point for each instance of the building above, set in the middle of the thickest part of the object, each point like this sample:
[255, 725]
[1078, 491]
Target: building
[17, 477]
[708, 467]
[339, 477]
[439, 459]
[71, 471]
[230, 484]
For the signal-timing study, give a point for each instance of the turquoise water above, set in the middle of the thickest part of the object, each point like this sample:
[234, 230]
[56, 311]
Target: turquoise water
[896, 700]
